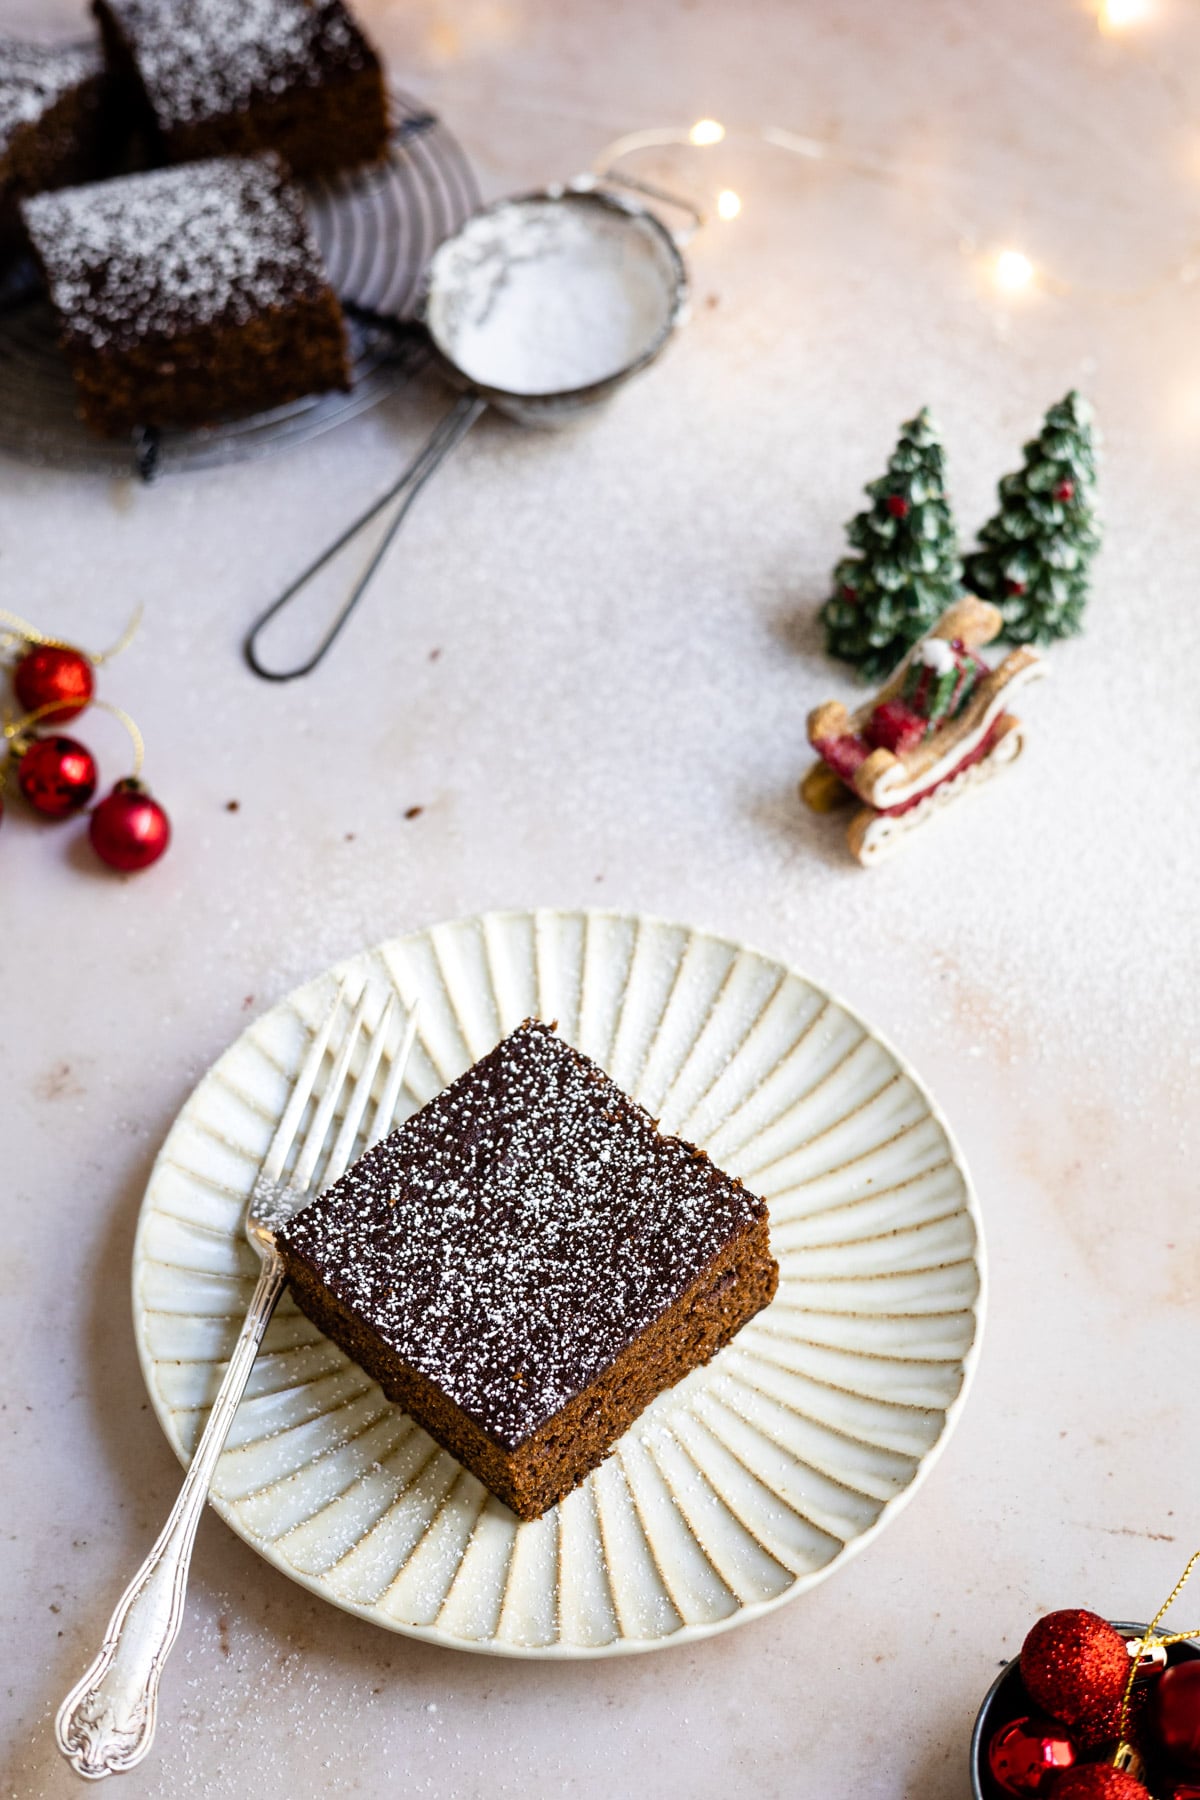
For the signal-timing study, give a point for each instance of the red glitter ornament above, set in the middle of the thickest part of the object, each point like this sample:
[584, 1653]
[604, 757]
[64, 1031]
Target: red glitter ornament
[57, 775]
[897, 505]
[129, 830]
[1075, 1666]
[1098, 1781]
[1065, 491]
[1027, 1755]
[1175, 1716]
[54, 676]
[1014, 587]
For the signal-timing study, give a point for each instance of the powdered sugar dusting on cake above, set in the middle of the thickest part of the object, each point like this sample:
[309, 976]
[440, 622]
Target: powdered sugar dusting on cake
[512, 1237]
[149, 255]
[35, 77]
[199, 59]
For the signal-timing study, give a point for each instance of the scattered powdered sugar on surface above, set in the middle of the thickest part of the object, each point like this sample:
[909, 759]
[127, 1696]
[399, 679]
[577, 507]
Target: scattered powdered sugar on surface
[149, 255]
[513, 1237]
[199, 59]
[247, 1688]
[34, 77]
[545, 296]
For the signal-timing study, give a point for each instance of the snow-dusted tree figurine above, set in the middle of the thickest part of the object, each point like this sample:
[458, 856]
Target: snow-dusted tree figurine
[907, 569]
[1035, 553]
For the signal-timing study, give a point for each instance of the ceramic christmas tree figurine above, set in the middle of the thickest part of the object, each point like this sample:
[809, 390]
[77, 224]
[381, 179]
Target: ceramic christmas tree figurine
[937, 729]
[907, 569]
[1034, 554]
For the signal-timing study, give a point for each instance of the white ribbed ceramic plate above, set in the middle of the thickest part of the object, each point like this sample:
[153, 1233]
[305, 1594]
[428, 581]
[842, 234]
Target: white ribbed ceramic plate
[744, 1485]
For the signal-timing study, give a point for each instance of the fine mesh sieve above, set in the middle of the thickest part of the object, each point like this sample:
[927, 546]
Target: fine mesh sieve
[540, 306]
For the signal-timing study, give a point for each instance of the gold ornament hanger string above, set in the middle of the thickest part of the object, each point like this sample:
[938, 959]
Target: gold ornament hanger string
[20, 631]
[1149, 1636]
[123, 642]
[15, 729]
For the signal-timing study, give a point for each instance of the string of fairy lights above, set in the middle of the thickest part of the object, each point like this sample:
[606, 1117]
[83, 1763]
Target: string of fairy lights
[1008, 267]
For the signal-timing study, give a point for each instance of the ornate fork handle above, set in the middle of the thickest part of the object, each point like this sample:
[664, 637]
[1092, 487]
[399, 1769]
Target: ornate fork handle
[106, 1723]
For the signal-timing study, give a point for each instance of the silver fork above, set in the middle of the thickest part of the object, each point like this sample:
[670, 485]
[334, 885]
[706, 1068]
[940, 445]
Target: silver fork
[106, 1723]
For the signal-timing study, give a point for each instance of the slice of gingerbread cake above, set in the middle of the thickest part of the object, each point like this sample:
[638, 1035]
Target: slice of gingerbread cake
[527, 1262]
[187, 295]
[220, 77]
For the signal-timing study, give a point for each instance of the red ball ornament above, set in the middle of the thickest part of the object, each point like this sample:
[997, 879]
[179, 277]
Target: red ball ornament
[1175, 1716]
[57, 775]
[1065, 491]
[53, 675]
[1027, 1755]
[1014, 587]
[897, 505]
[129, 830]
[1099, 1781]
[1075, 1666]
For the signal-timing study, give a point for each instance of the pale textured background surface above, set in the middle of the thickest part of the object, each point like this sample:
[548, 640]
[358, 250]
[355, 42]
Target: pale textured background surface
[627, 654]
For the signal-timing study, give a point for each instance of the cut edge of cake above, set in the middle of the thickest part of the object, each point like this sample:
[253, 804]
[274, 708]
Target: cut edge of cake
[530, 1477]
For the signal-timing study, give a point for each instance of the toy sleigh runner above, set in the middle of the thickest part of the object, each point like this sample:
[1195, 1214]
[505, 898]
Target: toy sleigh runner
[936, 730]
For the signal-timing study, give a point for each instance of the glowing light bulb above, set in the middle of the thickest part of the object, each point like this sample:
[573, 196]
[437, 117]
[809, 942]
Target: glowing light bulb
[706, 131]
[1119, 15]
[729, 204]
[1013, 271]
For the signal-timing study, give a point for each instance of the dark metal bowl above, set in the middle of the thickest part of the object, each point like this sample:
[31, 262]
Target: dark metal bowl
[1007, 1699]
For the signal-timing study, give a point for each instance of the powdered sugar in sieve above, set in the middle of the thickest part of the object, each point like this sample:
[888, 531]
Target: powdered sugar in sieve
[553, 294]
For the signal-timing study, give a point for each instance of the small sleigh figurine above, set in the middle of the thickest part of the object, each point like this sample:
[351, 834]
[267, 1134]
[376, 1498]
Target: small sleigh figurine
[937, 729]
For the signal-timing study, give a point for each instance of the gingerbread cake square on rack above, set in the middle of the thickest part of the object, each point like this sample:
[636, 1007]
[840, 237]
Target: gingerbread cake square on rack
[189, 294]
[527, 1262]
[220, 77]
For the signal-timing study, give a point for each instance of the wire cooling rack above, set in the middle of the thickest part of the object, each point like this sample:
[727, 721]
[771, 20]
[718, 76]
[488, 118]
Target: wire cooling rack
[376, 228]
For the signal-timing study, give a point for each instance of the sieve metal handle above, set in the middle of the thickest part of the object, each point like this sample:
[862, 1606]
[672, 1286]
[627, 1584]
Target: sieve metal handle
[445, 437]
[651, 190]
